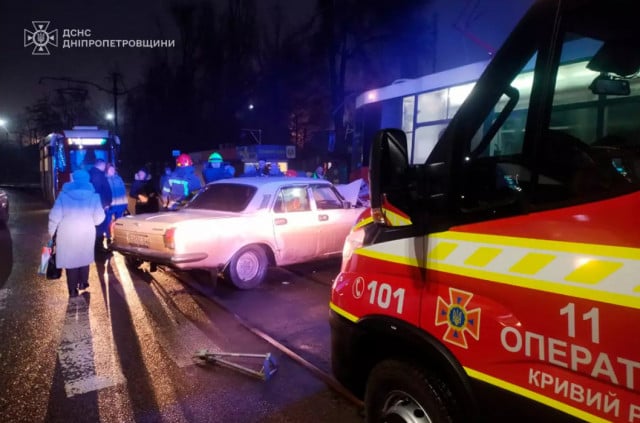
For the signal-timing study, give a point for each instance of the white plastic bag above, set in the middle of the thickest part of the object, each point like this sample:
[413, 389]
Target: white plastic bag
[44, 260]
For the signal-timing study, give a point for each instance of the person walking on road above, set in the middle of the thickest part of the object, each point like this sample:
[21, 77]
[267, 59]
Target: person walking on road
[73, 219]
[98, 178]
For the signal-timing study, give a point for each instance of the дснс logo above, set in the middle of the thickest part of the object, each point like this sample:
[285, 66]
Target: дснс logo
[40, 38]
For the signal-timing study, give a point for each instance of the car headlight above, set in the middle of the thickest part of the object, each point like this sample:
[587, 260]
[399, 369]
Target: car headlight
[354, 240]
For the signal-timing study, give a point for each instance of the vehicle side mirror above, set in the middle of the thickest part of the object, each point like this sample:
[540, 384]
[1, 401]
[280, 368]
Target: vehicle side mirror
[346, 204]
[388, 168]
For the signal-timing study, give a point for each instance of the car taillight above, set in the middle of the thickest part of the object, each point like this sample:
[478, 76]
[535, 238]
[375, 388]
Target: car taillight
[170, 238]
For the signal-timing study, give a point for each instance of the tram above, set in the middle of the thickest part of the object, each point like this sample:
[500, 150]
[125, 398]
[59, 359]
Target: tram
[63, 152]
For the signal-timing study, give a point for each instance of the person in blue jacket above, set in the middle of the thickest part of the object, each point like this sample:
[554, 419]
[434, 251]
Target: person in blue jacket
[98, 179]
[181, 185]
[214, 169]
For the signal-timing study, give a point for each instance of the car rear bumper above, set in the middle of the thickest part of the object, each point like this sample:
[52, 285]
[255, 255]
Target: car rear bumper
[177, 260]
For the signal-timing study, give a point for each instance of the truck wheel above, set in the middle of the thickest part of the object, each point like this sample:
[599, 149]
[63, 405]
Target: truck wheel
[248, 267]
[400, 392]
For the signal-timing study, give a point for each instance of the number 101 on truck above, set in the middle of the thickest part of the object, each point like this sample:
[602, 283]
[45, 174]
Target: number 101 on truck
[508, 261]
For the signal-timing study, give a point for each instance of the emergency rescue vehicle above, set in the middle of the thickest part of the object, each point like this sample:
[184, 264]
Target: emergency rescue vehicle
[510, 257]
[63, 152]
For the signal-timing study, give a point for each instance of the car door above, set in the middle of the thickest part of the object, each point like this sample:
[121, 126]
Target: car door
[334, 220]
[295, 225]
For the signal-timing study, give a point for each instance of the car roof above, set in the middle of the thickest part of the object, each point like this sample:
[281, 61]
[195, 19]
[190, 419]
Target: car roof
[267, 181]
[267, 186]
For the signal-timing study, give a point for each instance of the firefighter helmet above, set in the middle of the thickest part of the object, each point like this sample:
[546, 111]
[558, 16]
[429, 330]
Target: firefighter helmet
[215, 158]
[184, 160]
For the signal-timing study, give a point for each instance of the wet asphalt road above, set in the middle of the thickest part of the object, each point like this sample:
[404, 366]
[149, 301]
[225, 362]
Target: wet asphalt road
[123, 351]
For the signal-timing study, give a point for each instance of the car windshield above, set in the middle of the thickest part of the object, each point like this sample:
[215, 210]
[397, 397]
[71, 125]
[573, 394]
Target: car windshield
[223, 197]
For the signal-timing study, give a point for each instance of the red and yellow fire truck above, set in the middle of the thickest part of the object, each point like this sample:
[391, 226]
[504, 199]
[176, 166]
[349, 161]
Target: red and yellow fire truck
[510, 257]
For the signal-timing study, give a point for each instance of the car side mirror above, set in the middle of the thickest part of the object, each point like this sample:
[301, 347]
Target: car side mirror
[346, 204]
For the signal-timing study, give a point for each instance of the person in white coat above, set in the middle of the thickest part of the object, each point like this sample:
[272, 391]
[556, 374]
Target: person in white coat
[73, 220]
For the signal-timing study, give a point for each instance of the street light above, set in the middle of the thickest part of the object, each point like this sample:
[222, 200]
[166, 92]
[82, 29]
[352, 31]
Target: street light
[109, 116]
[3, 123]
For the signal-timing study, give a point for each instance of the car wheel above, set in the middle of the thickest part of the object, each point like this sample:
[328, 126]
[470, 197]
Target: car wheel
[248, 267]
[401, 392]
[132, 263]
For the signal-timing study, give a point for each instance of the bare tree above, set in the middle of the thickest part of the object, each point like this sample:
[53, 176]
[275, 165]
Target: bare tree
[369, 42]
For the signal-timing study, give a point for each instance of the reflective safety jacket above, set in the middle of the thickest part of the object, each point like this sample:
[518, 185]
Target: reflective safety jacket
[180, 185]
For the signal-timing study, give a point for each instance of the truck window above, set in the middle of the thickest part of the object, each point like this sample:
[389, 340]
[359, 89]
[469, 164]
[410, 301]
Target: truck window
[493, 171]
[589, 150]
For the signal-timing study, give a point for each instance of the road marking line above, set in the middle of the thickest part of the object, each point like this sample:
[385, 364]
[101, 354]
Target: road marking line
[76, 353]
[4, 294]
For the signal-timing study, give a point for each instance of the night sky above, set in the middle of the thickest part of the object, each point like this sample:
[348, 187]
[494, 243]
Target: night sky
[487, 20]
[20, 71]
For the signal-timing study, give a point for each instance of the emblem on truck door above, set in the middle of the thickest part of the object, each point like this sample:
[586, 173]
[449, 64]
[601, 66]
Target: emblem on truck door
[458, 318]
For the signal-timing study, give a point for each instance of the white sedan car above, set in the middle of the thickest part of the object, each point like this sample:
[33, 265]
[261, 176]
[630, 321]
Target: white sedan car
[241, 226]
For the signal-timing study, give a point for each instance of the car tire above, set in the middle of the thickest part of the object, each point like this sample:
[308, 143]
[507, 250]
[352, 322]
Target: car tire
[398, 391]
[248, 267]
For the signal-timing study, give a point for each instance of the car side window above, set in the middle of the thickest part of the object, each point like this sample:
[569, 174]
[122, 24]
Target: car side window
[292, 199]
[278, 206]
[326, 198]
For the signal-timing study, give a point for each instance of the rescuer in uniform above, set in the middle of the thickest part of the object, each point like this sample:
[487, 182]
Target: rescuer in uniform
[214, 169]
[182, 184]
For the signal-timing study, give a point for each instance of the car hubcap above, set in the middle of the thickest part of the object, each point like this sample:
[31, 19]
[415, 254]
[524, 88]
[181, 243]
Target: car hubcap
[247, 267]
[400, 407]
